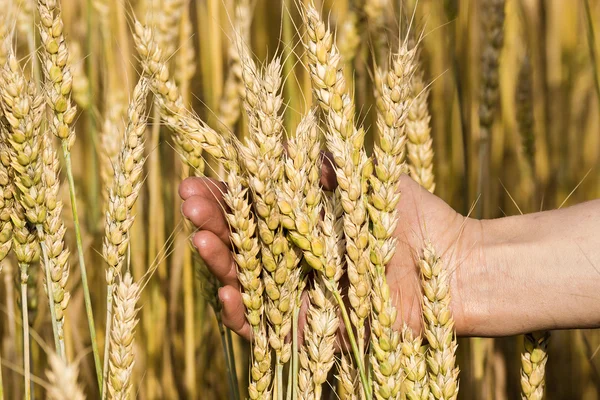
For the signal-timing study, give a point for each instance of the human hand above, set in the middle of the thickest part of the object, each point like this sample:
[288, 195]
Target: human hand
[421, 216]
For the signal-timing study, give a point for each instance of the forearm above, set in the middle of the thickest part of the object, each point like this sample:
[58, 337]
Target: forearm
[535, 272]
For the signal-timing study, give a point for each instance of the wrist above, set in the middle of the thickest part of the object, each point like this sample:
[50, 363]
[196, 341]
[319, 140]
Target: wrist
[485, 303]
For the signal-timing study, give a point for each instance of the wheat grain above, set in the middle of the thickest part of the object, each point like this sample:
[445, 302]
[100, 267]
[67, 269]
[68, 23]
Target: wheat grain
[345, 142]
[438, 326]
[418, 131]
[62, 377]
[122, 336]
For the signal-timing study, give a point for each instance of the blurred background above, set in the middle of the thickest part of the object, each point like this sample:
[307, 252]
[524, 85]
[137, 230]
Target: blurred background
[514, 109]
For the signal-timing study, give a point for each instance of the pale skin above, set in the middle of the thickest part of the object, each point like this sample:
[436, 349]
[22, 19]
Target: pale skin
[509, 275]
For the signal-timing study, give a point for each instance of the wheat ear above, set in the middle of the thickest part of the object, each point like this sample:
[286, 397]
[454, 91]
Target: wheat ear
[438, 326]
[54, 230]
[353, 167]
[347, 379]
[263, 159]
[418, 131]
[415, 381]
[393, 103]
[533, 365]
[123, 194]
[62, 377]
[317, 354]
[229, 106]
[21, 120]
[122, 336]
[55, 56]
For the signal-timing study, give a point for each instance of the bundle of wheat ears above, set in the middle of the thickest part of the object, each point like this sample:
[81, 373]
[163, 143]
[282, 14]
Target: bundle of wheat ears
[289, 235]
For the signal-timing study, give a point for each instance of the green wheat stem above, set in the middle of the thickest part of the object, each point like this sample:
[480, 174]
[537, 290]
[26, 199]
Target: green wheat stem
[279, 369]
[84, 280]
[57, 343]
[231, 353]
[357, 354]
[24, 267]
[109, 307]
[228, 366]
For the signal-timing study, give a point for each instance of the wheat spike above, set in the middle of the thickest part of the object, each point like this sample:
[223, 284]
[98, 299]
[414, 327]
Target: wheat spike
[81, 83]
[126, 183]
[122, 336]
[110, 138]
[533, 365]
[415, 382]
[317, 354]
[393, 104]
[263, 159]
[353, 167]
[57, 71]
[438, 327]
[348, 379]
[23, 112]
[54, 231]
[349, 38]
[229, 106]
[62, 378]
[418, 131]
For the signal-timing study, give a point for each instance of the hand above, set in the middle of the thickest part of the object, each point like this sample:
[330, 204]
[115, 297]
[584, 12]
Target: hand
[421, 216]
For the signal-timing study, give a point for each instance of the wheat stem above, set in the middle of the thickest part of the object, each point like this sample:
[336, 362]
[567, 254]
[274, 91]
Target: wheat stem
[24, 267]
[80, 256]
[57, 343]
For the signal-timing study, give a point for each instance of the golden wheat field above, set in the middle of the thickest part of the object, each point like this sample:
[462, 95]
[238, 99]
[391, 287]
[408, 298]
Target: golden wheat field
[106, 106]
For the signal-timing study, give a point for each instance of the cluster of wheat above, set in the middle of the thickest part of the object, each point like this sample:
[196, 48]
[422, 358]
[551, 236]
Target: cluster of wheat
[311, 263]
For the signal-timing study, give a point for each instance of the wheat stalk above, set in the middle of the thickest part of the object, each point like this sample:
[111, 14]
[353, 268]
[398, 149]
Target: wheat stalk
[55, 56]
[438, 326]
[62, 377]
[122, 336]
[418, 131]
[345, 142]
[22, 111]
[123, 194]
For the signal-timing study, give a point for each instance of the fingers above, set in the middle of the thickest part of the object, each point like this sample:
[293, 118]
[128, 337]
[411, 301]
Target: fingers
[217, 257]
[328, 179]
[205, 187]
[233, 312]
[207, 215]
